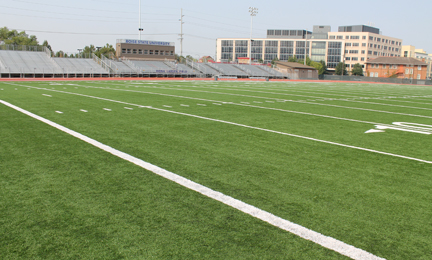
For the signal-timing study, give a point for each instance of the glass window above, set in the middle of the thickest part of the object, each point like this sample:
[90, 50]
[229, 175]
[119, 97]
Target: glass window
[340, 37]
[364, 37]
[145, 52]
[123, 50]
[129, 51]
[140, 51]
[134, 51]
[151, 52]
[355, 44]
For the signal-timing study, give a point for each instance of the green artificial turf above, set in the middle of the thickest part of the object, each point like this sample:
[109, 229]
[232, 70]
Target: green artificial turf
[64, 199]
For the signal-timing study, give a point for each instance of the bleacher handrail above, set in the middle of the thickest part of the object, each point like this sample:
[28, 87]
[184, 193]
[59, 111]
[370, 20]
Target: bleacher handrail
[14, 47]
[102, 63]
[130, 64]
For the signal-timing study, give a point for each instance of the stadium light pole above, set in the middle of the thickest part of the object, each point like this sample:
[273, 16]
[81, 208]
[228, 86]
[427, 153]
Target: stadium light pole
[139, 26]
[253, 11]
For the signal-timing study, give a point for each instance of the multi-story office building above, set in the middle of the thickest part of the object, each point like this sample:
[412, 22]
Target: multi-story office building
[365, 42]
[410, 51]
[283, 44]
[351, 44]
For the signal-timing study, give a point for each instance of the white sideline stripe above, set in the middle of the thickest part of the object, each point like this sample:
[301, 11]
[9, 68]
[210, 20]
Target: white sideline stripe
[46, 95]
[82, 110]
[257, 128]
[167, 106]
[107, 109]
[60, 112]
[128, 108]
[305, 233]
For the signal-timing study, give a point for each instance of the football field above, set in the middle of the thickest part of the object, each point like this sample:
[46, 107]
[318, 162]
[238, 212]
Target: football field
[215, 169]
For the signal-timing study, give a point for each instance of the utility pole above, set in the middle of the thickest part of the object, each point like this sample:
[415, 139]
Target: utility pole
[253, 11]
[139, 25]
[181, 32]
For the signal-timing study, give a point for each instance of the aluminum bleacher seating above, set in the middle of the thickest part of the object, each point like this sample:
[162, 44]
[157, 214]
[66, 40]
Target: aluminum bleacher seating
[27, 62]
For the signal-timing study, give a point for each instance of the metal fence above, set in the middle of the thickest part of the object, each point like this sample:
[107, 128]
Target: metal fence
[378, 80]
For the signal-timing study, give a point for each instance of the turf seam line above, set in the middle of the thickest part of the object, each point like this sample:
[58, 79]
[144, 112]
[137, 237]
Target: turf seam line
[305, 233]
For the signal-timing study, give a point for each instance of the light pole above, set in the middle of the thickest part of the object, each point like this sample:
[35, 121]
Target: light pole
[253, 11]
[139, 27]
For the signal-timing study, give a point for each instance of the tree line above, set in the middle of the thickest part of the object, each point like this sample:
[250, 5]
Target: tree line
[13, 37]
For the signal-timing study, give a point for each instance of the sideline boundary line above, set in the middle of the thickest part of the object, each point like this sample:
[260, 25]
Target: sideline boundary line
[305, 233]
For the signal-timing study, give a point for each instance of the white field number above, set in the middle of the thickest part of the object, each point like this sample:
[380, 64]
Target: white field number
[403, 126]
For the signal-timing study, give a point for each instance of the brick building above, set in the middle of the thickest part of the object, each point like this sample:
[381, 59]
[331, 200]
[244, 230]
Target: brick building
[398, 67]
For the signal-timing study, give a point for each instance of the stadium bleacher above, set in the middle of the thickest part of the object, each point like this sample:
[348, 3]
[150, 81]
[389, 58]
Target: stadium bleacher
[73, 65]
[28, 63]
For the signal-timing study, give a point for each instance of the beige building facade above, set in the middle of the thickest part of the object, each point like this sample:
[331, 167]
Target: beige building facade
[362, 46]
[410, 51]
[351, 45]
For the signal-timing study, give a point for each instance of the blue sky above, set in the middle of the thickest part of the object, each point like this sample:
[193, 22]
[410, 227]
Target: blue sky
[70, 25]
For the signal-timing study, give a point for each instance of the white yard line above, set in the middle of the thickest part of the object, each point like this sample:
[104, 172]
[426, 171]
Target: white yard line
[257, 128]
[351, 99]
[305, 233]
[296, 101]
[209, 100]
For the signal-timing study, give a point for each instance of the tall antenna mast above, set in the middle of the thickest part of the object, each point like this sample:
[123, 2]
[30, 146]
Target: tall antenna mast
[181, 32]
[139, 26]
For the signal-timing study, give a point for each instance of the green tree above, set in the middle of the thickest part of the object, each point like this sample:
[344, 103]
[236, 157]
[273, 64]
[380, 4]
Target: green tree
[340, 68]
[107, 51]
[273, 62]
[88, 50]
[292, 59]
[17, 38]
[357, 70]
[46, 44]
[323, 69]
[260, 61]
[59, 54]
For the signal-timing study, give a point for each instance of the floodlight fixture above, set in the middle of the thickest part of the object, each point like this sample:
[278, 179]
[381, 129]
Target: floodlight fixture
[253, 11]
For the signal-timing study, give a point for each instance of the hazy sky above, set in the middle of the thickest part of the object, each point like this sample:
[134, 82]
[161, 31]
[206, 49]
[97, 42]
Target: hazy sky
[70, 25]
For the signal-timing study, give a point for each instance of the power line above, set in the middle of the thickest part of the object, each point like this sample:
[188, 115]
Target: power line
[91, 33]
[76, 14]
[72, 19]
